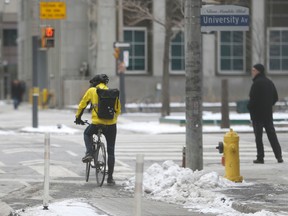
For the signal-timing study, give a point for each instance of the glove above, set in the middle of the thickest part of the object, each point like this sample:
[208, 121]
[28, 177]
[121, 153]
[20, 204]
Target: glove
[79, 121]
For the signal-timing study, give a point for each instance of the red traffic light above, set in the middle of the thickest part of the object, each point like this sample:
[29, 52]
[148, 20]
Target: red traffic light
[49, 32]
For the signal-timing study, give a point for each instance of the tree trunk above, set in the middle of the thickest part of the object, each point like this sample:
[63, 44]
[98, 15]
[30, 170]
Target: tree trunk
[165, 78]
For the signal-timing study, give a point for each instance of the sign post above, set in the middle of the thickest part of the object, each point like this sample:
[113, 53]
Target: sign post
[122, 57]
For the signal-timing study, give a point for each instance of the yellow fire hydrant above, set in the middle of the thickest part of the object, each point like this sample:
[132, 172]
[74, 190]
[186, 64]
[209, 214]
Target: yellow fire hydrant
[230, 158]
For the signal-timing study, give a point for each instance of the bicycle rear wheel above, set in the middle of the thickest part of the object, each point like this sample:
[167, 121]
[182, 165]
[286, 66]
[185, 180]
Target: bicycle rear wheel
[88, 165]
[100, 164]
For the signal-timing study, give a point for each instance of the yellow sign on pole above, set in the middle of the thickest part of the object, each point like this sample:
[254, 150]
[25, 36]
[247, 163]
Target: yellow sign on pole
[52, 10]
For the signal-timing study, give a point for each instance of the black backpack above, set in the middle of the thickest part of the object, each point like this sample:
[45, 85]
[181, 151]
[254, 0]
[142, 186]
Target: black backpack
[106, 102]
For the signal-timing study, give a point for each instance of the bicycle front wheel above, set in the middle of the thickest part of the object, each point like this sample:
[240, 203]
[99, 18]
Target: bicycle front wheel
[100, 164]
[88, 165]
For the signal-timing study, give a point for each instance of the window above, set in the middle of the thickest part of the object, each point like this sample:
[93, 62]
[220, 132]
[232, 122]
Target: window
[278, 50]
[178, 53]
[9, 37]
[231, 52]
[137, 37]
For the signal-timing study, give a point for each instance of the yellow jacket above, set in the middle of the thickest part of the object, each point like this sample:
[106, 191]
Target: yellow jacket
[91, 96]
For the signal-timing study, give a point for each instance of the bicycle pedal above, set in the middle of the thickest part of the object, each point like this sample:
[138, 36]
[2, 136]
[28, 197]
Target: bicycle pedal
[86, 160]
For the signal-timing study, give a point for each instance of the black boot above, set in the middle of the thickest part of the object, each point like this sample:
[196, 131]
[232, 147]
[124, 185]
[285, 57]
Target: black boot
[280, 160]
[258, 161]
[110, 181]
[111, 163]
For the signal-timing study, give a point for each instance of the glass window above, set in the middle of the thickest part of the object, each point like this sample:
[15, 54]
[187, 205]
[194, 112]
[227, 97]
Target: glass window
[231, 52]
[278, 50]
[177, 50]
[9, 37]
[137, 51]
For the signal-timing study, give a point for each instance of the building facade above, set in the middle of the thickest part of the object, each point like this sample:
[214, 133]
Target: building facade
[8, 46]
[89, 30]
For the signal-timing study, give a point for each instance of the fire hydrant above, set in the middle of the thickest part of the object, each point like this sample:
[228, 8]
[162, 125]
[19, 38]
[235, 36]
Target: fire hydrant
[230, 158]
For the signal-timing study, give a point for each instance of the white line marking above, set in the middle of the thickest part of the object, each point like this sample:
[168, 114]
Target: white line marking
[72, 153]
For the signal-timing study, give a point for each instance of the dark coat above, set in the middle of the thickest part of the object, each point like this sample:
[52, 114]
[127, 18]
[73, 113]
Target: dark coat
[16, 91]
[263, 95]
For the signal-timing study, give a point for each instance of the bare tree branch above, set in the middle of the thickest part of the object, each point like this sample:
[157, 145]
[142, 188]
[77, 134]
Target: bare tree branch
[137, 11]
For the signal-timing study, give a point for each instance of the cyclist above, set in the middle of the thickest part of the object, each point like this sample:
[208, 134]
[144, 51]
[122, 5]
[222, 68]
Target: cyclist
[110, 129]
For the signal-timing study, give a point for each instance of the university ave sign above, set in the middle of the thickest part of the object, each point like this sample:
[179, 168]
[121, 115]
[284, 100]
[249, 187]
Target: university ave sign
[224, 18]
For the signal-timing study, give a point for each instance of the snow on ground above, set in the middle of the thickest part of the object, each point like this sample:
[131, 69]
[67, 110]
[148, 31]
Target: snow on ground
[199, 191]
[59, 128]
[72, 207]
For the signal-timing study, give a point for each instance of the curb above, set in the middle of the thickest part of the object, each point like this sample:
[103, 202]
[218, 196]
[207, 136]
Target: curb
[243, 208]
[5, 210]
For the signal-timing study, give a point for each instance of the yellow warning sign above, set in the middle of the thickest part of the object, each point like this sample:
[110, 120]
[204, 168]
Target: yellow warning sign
[52, 10]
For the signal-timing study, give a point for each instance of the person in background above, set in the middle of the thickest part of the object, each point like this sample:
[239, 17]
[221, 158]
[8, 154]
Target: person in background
[263, 95]
[16, 93]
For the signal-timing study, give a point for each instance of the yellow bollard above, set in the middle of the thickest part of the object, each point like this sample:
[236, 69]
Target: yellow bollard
[231, 161]
[44, 98]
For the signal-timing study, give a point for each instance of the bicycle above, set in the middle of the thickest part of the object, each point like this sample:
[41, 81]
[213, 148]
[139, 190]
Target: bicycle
[99, 157]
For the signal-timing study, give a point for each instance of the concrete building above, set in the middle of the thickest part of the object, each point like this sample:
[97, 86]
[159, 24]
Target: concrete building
[89, 30]
[8, 46]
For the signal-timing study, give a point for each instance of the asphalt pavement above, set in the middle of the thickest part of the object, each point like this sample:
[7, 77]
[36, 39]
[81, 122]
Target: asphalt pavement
[269, 190]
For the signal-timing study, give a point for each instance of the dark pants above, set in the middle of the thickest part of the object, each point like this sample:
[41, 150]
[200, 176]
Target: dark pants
[109, 132]
[272, 137]
[16, 103]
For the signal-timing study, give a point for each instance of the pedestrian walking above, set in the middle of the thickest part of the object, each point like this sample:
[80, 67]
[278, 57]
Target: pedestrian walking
[16, 93]
[263, 95]
[110, 130]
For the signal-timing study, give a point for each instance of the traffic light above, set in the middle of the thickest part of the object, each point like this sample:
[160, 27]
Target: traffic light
[47, 39]
[117, 52]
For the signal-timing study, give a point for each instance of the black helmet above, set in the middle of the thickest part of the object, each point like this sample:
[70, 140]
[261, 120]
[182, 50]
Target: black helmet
[100, 78]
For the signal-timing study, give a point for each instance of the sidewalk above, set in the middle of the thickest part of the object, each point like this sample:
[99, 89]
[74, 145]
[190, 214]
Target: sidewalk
[269, 189]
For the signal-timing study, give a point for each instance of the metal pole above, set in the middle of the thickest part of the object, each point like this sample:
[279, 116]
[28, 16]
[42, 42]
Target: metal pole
[225, 122]
[120, 60]
[35, 107]
[1, 54]
[193, 67]
[35, 81]
[138, 185]
[46, 171]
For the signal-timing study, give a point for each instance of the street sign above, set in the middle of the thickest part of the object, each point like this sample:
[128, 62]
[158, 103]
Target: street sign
[121, 45]
[224, 18]
[126, 58]
[52, 10]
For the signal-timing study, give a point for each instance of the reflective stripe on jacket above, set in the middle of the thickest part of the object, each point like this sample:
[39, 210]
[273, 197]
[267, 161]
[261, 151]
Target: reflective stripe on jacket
[91, 96]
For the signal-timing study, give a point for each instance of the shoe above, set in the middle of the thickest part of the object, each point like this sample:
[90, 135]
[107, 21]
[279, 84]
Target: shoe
[111, 181]
[280, 160]
[258, 161]
[87, 158]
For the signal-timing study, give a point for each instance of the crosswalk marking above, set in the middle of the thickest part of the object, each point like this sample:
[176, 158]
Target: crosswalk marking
[126, 152]
[160, 151]
[72, 153]
[55, 171]
[19, 150]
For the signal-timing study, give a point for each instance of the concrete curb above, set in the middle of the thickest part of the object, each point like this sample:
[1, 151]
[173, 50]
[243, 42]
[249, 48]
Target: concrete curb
[243, 208]
[5, 210]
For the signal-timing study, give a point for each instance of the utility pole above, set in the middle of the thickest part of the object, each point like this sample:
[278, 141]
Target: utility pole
[194, 80]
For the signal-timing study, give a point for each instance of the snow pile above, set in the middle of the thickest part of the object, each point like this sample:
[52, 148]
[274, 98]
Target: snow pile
[64, 208]
[194, 190]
